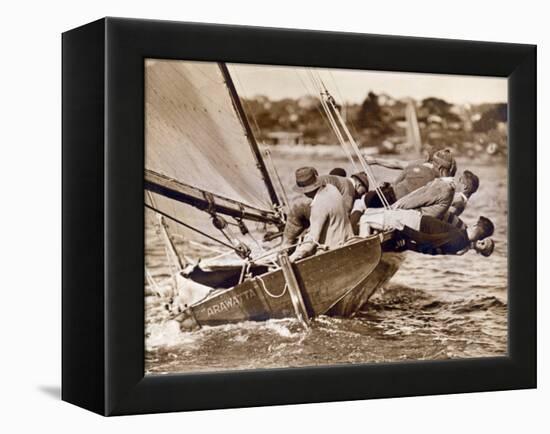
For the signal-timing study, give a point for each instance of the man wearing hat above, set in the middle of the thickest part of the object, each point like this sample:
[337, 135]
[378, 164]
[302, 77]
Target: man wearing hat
[351, 188]
[360, 182]
[329, 224]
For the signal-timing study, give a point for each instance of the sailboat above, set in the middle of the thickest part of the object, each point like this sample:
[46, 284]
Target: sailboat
[205, 177]
[413, 138]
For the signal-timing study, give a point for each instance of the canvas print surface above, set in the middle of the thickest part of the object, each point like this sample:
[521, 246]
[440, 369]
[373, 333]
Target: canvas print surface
[302, 216]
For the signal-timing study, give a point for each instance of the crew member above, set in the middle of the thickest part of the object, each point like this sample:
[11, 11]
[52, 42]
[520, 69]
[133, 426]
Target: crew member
[436, 237]
[433, 199]
[429, 235]
[413, 176]
[329, 220]
[351, 188]
[298, 216]
[468, 184]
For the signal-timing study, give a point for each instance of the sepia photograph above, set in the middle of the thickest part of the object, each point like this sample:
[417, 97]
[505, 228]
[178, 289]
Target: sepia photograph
[299, 216]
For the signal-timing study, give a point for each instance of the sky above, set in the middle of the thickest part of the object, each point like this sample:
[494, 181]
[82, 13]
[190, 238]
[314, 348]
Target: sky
[352, 86]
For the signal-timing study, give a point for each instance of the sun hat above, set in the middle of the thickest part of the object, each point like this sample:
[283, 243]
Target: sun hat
[362, 178]
[307, 180]
[444, 159]
[338, 171]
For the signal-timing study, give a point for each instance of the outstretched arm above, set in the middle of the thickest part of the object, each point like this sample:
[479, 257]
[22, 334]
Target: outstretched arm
[386, 162]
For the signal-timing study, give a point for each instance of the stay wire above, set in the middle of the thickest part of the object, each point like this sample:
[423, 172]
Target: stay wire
[331, 119]
[323, 91]
[331, 104]
[349, 119]
[168, 216]
[367, 169]
[325, 115]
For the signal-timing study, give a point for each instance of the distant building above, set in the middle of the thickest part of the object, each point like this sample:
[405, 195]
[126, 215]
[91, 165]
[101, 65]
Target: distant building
[284, 138]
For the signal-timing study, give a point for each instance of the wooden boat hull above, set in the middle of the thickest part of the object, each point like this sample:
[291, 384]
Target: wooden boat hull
[324, 280]
[352, 302]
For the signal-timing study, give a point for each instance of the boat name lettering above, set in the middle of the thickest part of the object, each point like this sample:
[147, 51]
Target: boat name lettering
[231, 302]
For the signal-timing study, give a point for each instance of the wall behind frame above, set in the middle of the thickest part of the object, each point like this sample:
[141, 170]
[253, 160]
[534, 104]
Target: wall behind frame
[31, 253]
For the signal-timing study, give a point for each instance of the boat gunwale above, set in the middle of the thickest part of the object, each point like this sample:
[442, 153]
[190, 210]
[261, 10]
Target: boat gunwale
[382, 236]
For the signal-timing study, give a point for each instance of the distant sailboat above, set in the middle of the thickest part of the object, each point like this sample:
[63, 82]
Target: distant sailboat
[206, 179]
[414, 139]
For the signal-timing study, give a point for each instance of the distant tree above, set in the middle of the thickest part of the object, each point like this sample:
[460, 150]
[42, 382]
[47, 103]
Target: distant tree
[436, 106]
[491, 117]
[370, 113]
[373, 117]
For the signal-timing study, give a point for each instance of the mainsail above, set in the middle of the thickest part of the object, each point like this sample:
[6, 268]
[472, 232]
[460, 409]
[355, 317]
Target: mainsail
[199, 150]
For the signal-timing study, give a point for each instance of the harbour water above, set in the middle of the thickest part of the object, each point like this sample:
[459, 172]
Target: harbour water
[439, 307]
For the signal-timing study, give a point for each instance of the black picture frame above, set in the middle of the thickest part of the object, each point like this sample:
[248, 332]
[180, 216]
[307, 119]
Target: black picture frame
[103, 217]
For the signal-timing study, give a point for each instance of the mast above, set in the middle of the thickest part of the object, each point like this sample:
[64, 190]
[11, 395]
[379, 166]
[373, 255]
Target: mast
[249, 135]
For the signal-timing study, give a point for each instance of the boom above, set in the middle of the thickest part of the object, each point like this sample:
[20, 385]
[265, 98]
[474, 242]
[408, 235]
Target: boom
[206, 201]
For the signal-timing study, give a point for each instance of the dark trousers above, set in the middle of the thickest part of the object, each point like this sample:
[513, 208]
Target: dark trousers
[436, 237]
[373, 201]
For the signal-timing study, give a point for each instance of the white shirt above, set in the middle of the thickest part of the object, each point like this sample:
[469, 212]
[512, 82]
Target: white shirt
[387, 219]
[329, 222]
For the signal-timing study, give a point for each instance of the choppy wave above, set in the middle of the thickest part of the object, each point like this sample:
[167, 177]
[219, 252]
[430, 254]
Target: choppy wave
[400, 323]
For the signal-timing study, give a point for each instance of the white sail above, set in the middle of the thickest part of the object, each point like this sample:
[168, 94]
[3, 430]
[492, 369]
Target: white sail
[413, 131]
[194, 135]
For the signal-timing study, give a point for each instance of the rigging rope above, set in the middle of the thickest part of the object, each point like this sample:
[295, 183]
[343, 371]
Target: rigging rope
[343, 143]
[258, 136]
[152, 282]
[267, 153]
[366, 168]
[330, 107]
[326, 116]
[262, 284]
[204, 234]
[247, 105]
[348, 119]
[322, 89]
